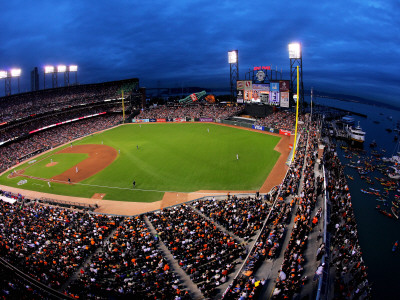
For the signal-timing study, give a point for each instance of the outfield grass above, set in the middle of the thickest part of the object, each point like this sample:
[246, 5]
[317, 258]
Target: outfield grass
[182, 157]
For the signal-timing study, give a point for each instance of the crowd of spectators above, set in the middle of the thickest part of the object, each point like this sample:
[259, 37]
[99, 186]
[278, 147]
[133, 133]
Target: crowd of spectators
[47, 242]
[280, 120]
[204, 252]
[269, 242]
[15, 152]
[351, 280]
[12, 287]
[191, 111]
[290, 277]
[241, 216]
[26, 104]
[23, 128]
[129, 265]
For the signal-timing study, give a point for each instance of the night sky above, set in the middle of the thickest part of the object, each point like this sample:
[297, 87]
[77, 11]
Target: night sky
[349, 47]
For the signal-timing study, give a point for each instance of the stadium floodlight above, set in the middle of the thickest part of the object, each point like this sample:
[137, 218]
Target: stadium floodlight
[73, 68]
[3, 74]
[49, 69]
[232, 57]
[61, 68]
[294, 50]
[15, 72]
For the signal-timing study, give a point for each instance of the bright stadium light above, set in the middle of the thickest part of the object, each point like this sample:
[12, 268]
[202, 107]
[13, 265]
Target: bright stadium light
[61, 68]
[294, 50]
[15, 72]
[232, 57]
[3, 74]
[73, 68]
[49, 69]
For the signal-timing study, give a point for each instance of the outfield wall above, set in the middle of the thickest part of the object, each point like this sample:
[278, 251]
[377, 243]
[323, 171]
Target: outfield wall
[212, 120]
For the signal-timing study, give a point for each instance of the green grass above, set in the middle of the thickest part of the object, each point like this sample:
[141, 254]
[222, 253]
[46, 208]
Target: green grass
[171, 157]
[64, 162]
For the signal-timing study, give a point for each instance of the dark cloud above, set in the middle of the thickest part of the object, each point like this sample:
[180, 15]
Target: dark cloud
[348, 46]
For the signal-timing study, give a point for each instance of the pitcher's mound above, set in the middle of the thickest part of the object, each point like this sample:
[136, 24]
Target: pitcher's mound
[51, 164]
[98, 196]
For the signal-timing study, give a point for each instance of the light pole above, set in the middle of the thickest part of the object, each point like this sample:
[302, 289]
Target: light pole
[3, 75]
[233, 59]
[63, 69]
[296, 61]
[49, 70]
[16, 73]
[73, 68]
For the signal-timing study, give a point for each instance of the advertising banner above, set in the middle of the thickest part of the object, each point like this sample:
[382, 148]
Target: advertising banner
[274, 86]
[179, 120]
[247, 95]
[258, 89]
[248, 89]
[161, 120]
[258, 127]
[152, 120]
[170, 120]
[206, 120]
[194, 97]
[285, 132]
[285, 99]
[274, 98]
[284, 85]
[240, 85]
[239, 97]
[264, 97]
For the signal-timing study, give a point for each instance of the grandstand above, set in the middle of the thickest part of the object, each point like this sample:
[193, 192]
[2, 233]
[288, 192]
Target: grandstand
[258, 246]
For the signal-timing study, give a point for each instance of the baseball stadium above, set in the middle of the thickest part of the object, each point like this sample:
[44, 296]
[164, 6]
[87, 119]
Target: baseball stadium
[106, 197]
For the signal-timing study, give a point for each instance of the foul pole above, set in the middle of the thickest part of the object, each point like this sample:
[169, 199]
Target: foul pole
[297, 115]
[123, 108]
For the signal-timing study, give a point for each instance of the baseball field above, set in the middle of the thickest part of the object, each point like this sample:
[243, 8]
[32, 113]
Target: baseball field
[159, 158]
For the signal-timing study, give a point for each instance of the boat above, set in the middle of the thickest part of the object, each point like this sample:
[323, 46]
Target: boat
[373, 144]
[396, 244]
[388, 130]
[395, 213]
[348, 120]
[384, 212]
[350, 177]
[356, 133]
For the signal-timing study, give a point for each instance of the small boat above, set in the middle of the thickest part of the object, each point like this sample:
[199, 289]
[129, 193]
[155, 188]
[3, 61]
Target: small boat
[364, 191]
[396, 244]
[395, 204]
[388, 130]
[374, 190]
[350, 177]
[395, 213]
[384, 212]
[373, 144]
[381, 200]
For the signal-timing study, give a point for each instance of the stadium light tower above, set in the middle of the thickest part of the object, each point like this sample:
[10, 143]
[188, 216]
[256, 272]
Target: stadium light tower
[3, 75]
[233, 59]
[73, 68]
[296, 60]
[63, 69]
[50, 70]
[15, 73]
